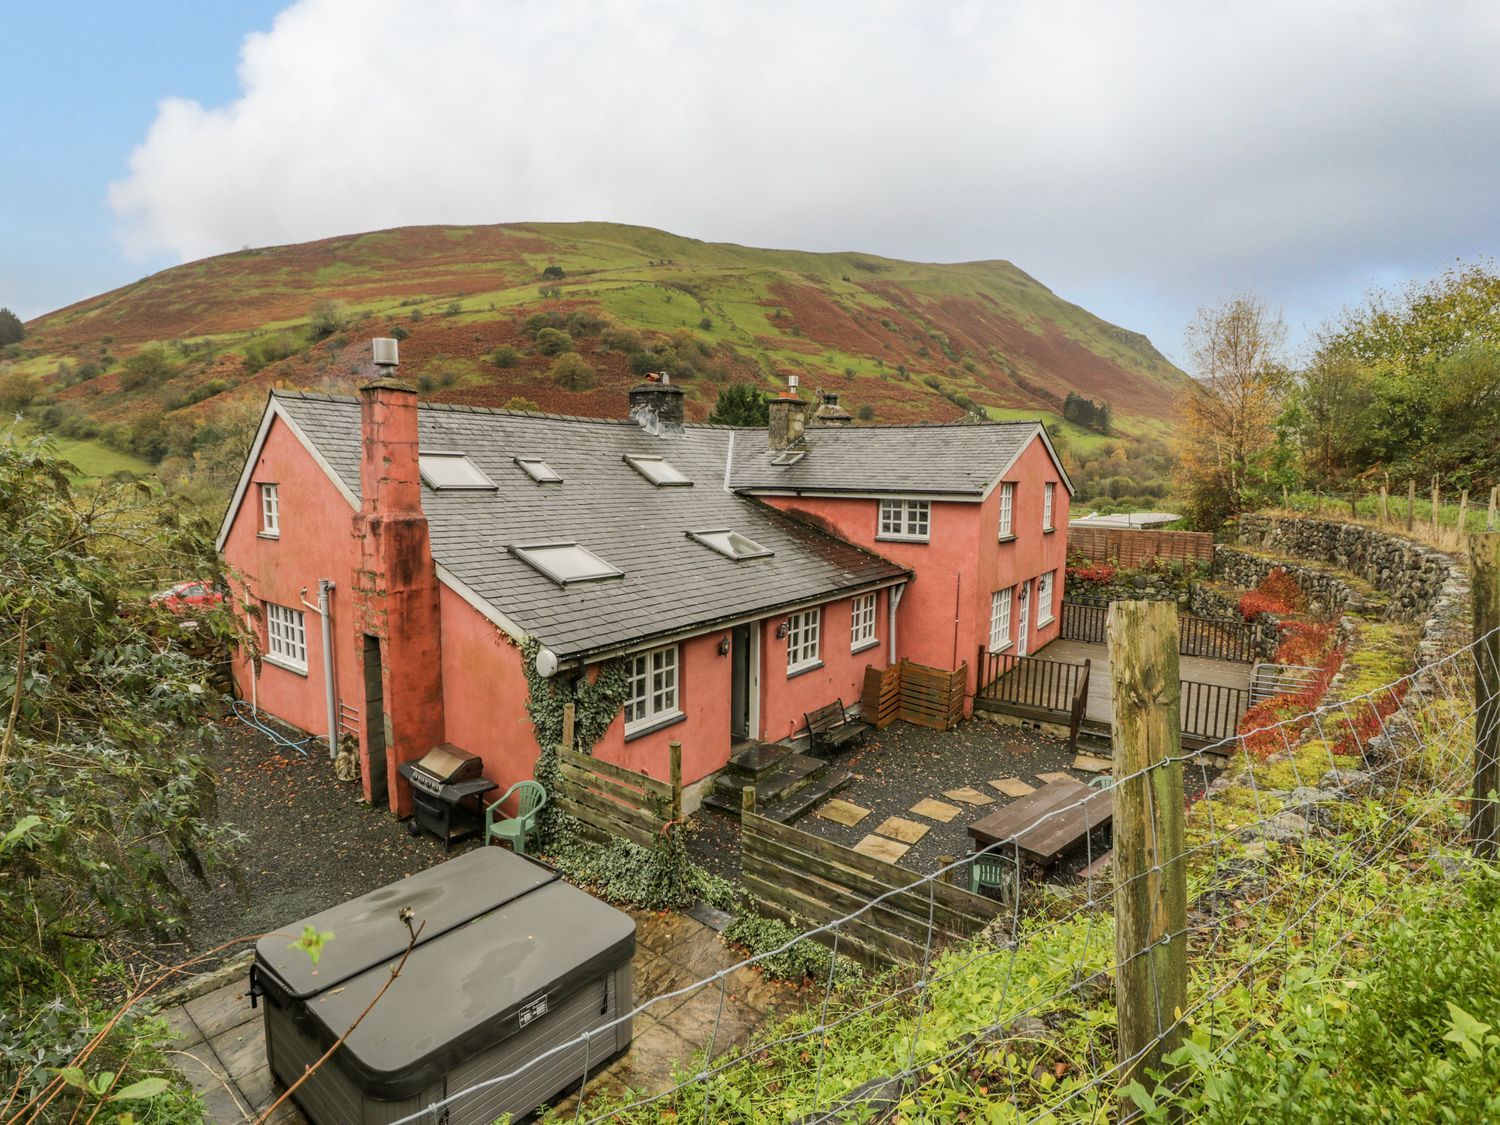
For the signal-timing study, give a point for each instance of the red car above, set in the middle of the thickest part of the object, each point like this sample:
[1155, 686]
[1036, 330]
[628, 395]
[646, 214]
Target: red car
[185, 597]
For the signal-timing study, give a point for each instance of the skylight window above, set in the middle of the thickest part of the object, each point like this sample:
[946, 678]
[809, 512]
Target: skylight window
[538, 470]
[565, 563]
[443, 471]
[789, 457]
[731, 544]
[661, 473]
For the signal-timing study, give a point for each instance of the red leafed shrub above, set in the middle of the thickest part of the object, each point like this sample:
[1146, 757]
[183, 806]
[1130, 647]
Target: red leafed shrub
[1304, 642]
[1277, 593]
[1098, 574]
[1287, 707]
[1365, 719]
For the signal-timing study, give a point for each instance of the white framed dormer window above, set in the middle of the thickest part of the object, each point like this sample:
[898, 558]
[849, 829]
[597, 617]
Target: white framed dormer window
[1044, 598]
[270, 511]
[862, 623]
[1007, 509]
[910, 520]
[286, 637]
[1049, 490]
[1000, 602]
[652, 698]
[802, 636]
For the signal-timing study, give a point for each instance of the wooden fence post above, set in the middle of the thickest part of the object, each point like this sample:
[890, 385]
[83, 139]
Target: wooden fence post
[1353, 505]
[1385, 505]
[1437, 499]
[1150, 875]
[1463, 517]
[675, 750]
[1411, 504]
[1286, 500]
[1484, 815]
[1489, 520]
[568, 722]
[747, 800]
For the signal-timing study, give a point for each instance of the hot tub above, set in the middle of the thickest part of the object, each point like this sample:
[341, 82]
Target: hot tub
[511, 963]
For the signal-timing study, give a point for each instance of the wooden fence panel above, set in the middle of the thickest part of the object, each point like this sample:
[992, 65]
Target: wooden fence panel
[880, 702]
[929, 697]
[612, 801]
[1134, 548]
[794, 873]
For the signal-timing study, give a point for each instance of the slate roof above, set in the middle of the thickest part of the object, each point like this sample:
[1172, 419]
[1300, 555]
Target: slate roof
[671, 583]
[955, 460]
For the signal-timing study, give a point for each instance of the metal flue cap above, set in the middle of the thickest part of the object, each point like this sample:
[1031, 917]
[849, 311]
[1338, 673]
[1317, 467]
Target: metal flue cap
[384, 349]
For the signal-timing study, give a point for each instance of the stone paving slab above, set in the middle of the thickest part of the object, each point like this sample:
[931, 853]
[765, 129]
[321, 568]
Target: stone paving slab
[878, 847]
[1056, 775]
[969, 796]
[1012, 786]
[842, 812]
[1090, 764]
[937, 810]
[899, 828]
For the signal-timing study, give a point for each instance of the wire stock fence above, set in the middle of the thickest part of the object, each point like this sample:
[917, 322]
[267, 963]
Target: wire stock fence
[1218, 880]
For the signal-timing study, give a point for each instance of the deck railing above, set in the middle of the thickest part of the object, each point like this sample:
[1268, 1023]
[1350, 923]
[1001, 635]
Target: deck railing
[1214, 638]
[1048, 690]
[1211, 712]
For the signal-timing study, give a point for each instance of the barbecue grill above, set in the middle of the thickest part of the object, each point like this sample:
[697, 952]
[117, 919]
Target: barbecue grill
[446, 788]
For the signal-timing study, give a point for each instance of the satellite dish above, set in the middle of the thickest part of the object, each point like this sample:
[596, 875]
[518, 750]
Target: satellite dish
[546, 663]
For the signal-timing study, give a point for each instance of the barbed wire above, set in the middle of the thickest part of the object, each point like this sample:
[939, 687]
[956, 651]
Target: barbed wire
[1423, 723]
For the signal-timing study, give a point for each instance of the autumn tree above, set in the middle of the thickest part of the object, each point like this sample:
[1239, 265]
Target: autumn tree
[1229, 414]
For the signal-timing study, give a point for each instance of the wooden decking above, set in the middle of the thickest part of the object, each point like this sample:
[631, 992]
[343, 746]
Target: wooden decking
[1194, 668]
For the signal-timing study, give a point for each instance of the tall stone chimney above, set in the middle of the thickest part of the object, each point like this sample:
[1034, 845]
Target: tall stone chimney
[396, 608]
[788, 418]
[656, 405]
[829, 412]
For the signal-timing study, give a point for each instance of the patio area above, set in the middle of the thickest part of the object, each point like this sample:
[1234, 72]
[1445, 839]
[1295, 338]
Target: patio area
[1193, 669]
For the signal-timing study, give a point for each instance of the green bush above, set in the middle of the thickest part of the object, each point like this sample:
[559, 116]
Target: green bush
[570, 372]
[148, 367]
[553, 341]
[649, 878]
[802, 960]
[505, 356]
[328, 316]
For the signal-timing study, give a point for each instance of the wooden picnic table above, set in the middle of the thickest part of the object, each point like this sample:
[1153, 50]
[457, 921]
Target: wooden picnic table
[1026, 825]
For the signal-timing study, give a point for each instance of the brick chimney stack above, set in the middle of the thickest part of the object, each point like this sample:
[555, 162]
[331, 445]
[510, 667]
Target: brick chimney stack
[788, 418]
[395, 590]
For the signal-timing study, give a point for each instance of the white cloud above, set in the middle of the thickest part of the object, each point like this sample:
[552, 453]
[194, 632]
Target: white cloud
[1167, 151]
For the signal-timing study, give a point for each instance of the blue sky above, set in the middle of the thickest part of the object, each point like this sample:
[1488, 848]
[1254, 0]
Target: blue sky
[1140, 159]
[79, 89]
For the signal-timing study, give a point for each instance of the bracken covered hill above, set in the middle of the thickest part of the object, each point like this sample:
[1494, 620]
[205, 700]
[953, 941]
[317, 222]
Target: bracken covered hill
[904, 340]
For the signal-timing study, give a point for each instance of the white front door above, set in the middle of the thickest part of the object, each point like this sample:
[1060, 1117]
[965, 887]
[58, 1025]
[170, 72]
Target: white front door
[1023, 619]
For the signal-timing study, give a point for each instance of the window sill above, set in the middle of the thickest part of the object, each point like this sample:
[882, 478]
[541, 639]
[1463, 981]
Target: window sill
[801, 669]
[268, 535]
[651, 726]
[285, 665]
[1048, 530]
[871, 643]
[1011, 538]
[903, 539]
[1003, 648]
[1043, 622]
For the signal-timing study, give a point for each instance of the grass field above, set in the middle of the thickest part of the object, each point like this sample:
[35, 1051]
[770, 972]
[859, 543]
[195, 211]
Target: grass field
[93, 459]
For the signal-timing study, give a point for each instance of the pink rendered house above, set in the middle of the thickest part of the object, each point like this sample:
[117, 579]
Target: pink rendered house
[400, 554]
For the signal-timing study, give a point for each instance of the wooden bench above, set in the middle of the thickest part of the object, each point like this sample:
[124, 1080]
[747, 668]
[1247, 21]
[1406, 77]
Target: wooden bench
[832, 726]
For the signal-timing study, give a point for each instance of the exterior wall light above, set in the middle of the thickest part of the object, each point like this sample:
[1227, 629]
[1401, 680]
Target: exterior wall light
[783, 629]
[724, 645]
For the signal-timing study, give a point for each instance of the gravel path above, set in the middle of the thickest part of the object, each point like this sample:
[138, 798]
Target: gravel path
[310, 843]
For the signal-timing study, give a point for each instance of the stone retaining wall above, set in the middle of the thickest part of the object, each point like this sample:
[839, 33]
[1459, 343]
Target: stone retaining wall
[1415, 582]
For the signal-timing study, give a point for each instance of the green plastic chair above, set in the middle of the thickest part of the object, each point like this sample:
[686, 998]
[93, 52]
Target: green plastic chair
[990, 870]
[530, 798]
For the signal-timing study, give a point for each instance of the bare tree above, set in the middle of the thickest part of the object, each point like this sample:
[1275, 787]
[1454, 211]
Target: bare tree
[1230, 412]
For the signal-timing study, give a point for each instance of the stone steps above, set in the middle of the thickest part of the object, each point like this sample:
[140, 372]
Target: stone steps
[805, 799]
[787, 783]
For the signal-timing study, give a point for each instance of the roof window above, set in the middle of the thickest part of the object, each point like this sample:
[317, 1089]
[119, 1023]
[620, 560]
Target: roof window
[788, 457]
[731, 544]
[565, 563]
[538, 470]
[444, 471]
[659, 472]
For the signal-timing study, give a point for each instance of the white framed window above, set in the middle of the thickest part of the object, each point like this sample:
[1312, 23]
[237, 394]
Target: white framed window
[905, 519]
[1044, 598]
[1007, 509]
[658, 471]
[452, 472]
[1048, 490]
[1000, 602]
[286, 636]
[862, 623]
[564, 562]
[652, 697]
[802, 634]
[270, 510]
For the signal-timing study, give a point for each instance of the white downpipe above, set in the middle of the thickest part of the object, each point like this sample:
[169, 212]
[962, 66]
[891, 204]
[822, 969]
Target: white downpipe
[891, 603]
[324, 611]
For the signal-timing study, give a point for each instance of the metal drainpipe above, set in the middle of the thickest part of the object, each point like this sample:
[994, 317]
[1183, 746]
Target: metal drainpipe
[324, 611]
[891, 603]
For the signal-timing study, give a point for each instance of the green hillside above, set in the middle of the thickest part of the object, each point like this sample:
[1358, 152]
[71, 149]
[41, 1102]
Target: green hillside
[143, 368]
